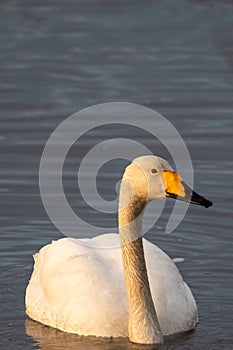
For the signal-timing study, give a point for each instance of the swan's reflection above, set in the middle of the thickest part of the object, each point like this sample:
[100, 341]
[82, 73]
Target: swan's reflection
[49, 338]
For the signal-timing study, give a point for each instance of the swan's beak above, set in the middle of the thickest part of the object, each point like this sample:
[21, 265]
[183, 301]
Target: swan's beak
[176, 188]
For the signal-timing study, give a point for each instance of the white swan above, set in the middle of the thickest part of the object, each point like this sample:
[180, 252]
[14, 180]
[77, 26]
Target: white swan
[133, 291]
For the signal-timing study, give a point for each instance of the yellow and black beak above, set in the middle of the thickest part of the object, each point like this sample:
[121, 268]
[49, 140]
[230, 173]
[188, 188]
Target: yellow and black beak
[176, 188]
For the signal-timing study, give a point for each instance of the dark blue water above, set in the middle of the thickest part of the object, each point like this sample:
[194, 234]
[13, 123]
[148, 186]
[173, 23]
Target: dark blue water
[57, 57]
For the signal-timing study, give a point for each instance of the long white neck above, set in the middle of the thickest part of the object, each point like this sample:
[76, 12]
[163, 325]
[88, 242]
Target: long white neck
[143, 323]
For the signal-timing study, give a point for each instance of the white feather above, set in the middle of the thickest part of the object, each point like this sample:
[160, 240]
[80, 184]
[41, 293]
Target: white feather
[81, 289]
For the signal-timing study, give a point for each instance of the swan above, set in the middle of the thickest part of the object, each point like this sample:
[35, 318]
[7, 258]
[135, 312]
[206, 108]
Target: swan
[132, 289]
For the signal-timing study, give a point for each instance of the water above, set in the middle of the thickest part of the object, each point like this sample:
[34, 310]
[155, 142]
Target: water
[58, 57]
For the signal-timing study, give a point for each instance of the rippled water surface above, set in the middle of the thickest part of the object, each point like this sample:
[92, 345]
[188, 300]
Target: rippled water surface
[57, 57]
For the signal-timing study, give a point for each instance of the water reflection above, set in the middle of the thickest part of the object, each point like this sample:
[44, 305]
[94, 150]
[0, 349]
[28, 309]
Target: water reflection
[52, 339]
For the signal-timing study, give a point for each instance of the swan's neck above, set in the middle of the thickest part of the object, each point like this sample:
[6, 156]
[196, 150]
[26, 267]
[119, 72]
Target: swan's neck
[143, 323]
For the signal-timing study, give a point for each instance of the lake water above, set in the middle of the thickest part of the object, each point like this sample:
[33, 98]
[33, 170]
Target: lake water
[58, 57]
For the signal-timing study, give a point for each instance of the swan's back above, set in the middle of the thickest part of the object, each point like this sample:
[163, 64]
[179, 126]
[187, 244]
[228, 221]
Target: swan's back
[81, 289]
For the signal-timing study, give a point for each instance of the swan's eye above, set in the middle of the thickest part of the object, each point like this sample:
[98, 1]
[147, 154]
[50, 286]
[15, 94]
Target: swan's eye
[154, 171]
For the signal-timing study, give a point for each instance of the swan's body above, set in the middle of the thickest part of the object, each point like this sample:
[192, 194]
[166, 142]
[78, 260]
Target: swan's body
[93, 291]
[82, 290]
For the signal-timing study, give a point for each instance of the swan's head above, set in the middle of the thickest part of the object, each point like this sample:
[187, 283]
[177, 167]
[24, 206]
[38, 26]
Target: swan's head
[152, 177]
